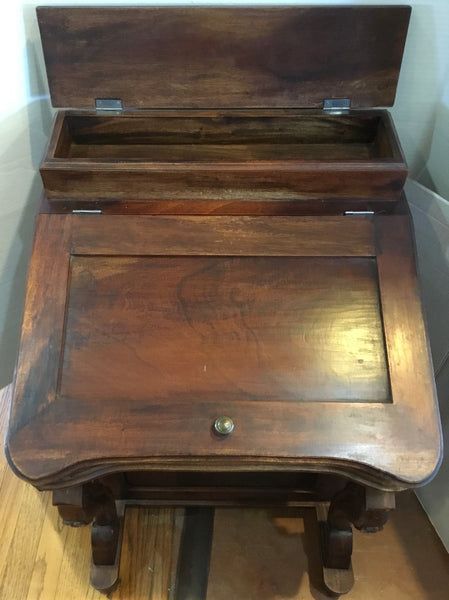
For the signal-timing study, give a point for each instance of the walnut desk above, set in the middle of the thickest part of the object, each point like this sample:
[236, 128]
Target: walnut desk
[222, 303]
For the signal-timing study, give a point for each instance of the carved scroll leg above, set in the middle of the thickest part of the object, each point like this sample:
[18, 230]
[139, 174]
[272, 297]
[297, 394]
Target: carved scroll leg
[107, 533]
[336, 550]
[94, 501]
[367, 509]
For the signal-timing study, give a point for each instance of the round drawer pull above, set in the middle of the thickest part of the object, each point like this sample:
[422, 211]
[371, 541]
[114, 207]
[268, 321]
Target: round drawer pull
[224, 425]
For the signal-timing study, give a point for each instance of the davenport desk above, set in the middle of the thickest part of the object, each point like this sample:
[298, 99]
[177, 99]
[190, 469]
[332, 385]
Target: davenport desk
[222, 303]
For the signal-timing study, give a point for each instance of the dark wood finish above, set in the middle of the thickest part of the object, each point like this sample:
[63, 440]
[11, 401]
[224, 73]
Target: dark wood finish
[215, 236]
[70, 435]
[106, 542]
[237, 328]
[365, 508]
[46, 288]
[95, 502]
[219, 207]
[144, 325]
[228, 137]
[105, 502]
[73, 506]
[88, 132]
[105, 528]
[405, 356]
[223, 57]
[234, 161]
[257, 163]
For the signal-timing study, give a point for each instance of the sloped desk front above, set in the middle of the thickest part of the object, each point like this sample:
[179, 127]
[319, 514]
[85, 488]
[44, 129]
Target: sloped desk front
[140, 332]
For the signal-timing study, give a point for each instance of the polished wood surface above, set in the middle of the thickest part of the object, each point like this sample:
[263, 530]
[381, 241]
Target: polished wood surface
[41, 559]
[215, 236]
[256, 553]
[257, 161]
[149, 330]
[228, 328]
[83, 129]
[230, 137]
[243, 207]
[151, 402]
[223, 57]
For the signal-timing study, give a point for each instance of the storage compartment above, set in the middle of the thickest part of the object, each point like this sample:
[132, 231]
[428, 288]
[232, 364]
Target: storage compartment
[235, 156]
[223, 138]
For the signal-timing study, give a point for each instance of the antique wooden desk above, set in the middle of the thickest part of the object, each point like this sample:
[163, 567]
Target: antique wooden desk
[222, 302]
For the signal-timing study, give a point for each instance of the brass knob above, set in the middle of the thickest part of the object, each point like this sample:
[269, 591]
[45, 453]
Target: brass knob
[224, 425]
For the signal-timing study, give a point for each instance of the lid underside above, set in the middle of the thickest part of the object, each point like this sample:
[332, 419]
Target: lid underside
[223, 57]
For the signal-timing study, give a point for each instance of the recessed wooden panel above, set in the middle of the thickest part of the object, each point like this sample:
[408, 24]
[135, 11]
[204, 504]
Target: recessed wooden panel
[173, 329]
[223, 57]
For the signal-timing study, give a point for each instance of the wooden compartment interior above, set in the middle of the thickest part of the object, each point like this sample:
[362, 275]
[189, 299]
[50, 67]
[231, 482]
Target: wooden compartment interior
[224, 138]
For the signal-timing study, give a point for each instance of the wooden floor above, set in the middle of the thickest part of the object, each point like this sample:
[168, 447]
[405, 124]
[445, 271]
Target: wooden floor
[256, 554]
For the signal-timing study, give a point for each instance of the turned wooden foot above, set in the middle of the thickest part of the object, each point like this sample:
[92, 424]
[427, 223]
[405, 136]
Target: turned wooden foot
[95, 502]
[365, 508]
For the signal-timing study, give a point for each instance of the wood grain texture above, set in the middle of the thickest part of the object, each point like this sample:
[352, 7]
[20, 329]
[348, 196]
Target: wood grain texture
[228, 137]
[233, 156]
[203, 127]
[409, 354]
[140, 331]
[232, 182]
[223, 57]
[66, 437]
[46, 287]
[244, 207]
[256, 553]
[40, 559]
[219, 236]
[240, 328]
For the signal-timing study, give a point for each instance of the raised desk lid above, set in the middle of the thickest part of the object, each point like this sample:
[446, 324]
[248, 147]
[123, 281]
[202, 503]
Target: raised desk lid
[197, 57]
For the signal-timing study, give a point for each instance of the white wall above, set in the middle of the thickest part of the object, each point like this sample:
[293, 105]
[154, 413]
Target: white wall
[435, 173]
[431, 218]
[421, 114]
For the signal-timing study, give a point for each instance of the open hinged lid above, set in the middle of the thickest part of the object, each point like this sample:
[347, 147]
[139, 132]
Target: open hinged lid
[196, 57]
